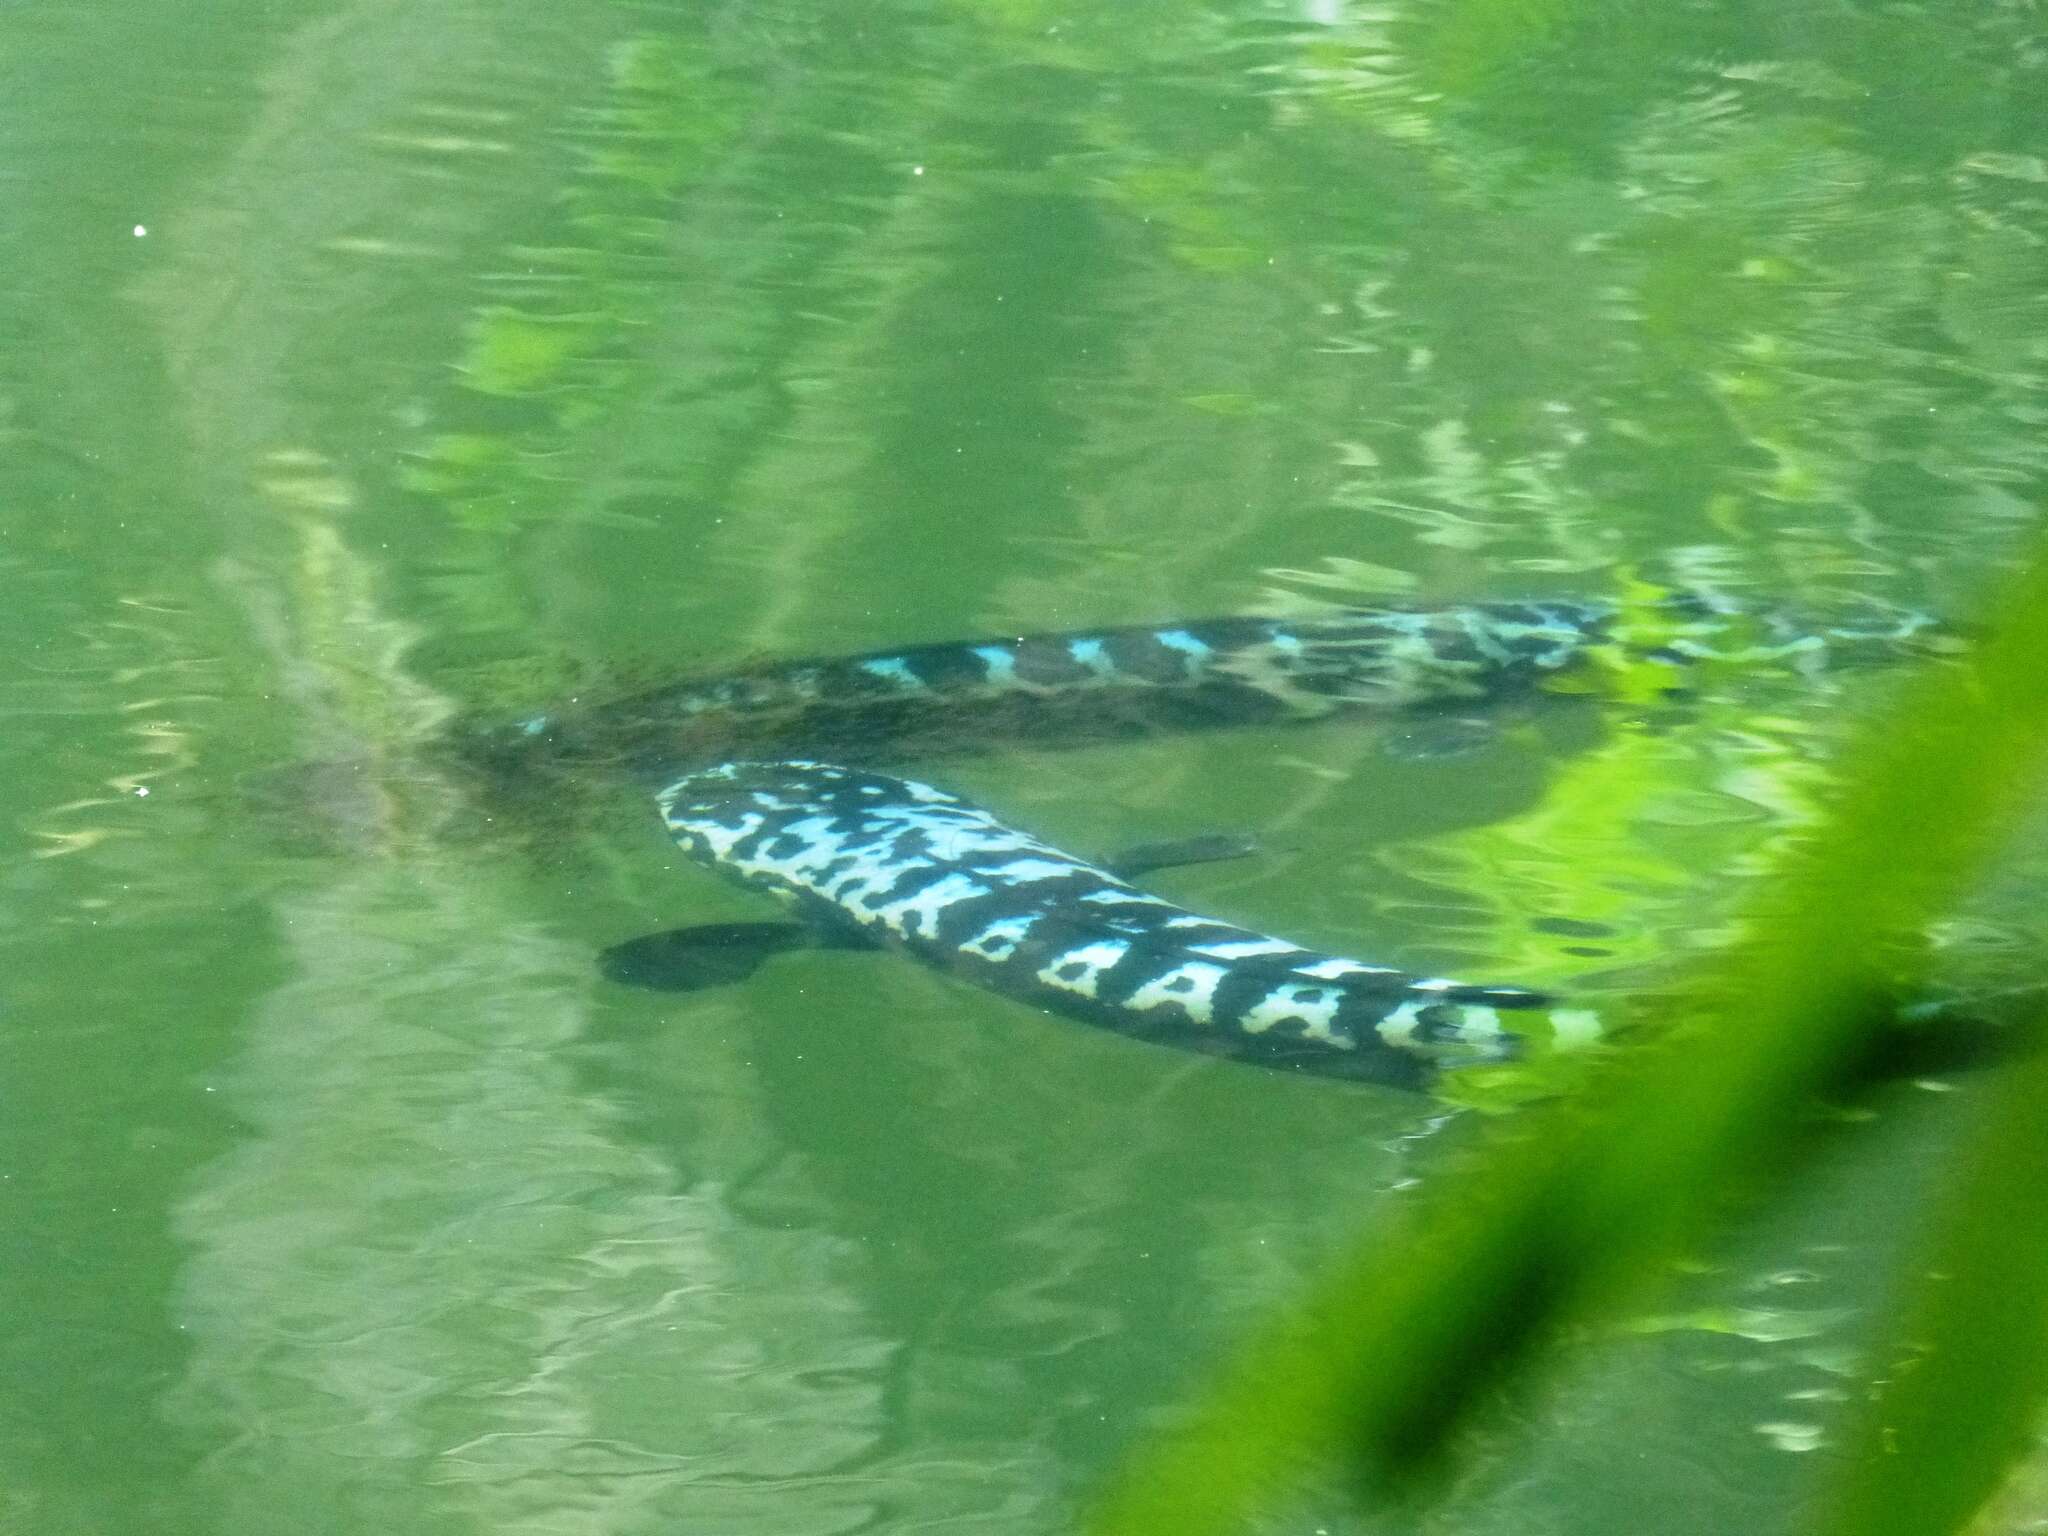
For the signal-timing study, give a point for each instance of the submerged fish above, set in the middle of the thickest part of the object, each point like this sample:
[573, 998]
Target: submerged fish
[1106, 683]
[713, 954]
[903, 863]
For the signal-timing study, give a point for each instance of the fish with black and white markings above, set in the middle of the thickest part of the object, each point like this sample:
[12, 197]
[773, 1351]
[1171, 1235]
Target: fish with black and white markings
[920, 869]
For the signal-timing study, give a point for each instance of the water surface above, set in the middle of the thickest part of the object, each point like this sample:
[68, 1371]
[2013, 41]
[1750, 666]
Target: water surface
[368, 366]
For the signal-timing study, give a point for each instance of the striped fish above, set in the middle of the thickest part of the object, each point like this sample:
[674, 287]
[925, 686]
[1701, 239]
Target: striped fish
[925, 871]
[1082, 685]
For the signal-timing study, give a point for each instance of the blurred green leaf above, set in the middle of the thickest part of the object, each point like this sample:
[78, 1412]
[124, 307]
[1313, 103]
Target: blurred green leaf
[1971, 1346]
[1570, 1207]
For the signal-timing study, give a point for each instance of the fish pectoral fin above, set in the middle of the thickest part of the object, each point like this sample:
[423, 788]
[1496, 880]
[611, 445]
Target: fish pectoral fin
[1143, 858]
[714, 954]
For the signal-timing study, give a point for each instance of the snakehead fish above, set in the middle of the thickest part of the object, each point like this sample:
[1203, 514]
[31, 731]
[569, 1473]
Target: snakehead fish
[927, 872]
[1106, 683]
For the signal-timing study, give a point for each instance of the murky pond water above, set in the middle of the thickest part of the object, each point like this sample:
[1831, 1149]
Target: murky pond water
[371, 367]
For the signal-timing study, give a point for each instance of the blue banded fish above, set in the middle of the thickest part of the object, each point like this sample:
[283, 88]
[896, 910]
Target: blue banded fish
[1081, 685]
[917, 868]
[712, 954]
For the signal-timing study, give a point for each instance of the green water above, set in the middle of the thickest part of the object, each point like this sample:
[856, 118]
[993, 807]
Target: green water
[364, 364]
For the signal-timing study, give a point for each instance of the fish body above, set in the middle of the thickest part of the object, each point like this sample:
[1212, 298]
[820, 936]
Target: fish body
[1075, 686]
[1069, 686]
[925, 871]
[867, 857]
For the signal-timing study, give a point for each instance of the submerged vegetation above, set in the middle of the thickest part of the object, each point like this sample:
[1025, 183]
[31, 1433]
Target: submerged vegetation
[1573, 1210]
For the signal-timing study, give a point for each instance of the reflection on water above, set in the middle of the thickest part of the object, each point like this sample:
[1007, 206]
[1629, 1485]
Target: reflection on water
[475, 358]
[433, 1284]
